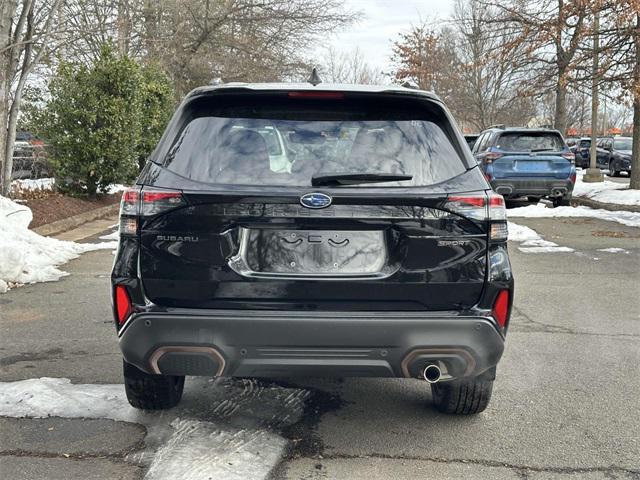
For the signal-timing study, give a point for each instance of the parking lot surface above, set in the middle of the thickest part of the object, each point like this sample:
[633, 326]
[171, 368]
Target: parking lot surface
[565, 402]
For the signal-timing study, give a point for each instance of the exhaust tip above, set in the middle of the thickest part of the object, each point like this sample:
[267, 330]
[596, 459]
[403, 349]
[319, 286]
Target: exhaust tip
[432, 373]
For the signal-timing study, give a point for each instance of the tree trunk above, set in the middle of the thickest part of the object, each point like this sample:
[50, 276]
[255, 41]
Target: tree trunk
[7, 11]
[560, 117]
[635, 152]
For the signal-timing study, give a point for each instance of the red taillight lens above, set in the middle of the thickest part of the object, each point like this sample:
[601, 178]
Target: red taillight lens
[318, 95]
[129, 202]
[123, 304]
[570, 156]
[468, 201]
[491, 156]
[572, 177]
[500, 309]
[158, 201]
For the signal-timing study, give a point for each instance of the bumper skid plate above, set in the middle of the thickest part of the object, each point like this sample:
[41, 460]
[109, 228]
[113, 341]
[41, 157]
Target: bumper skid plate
[333, 344]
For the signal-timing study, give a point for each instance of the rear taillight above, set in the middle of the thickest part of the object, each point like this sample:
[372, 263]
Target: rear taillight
[158, 201]
[482, 207]
[500, 310]
[572, 177]
[490, 157]
[569, 156]
[138, 202]
[122, 304]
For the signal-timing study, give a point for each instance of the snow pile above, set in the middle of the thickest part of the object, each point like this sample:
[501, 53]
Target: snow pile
[631, 219]
[607, 192]
[33, 184]
[532, 242]
[25, 256]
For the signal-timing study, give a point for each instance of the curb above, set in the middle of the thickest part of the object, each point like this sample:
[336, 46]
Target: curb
[614, 207]
[65, 224]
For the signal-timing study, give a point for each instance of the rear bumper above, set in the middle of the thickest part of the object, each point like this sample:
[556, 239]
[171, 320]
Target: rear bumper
[520, 187]
[288, 343]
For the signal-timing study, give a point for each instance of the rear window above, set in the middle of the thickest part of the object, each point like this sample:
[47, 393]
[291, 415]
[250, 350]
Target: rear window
[622, 144]
[530, 142]
[277, 140]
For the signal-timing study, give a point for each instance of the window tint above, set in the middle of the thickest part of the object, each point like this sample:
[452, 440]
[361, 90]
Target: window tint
[622, 144]
[481, 144]
[530, 141]
[585, 143]
[270, 145]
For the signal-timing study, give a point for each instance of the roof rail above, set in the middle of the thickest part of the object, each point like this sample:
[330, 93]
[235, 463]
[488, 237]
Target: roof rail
[499, 125]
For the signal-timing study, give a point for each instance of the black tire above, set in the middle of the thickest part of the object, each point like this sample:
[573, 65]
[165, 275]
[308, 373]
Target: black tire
[151, 392]
[612, 171]
[562, 201]
[462, 397]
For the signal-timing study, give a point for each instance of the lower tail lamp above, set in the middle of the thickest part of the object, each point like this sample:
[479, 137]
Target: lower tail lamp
[500, 309]
[123, 304]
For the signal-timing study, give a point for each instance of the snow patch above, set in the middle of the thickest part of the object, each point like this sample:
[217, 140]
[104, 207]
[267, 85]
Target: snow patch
[531, 241]
[614, 250]
[115, 235]
[29, 184]
[199, 450]
[607, 192]
[190, 448]
[631, 219]
[25, 256]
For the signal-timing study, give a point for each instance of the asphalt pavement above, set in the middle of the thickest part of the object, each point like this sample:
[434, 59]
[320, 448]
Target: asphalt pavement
[565, 403]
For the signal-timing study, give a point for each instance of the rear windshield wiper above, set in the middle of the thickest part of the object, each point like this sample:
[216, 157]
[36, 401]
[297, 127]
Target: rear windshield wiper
[336, 179]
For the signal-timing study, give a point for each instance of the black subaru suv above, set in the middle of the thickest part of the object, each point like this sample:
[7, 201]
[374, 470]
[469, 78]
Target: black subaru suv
[299, 230]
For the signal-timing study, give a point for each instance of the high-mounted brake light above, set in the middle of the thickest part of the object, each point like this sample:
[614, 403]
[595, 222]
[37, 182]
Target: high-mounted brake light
[500, 310]
[123, 304]
[318, 95]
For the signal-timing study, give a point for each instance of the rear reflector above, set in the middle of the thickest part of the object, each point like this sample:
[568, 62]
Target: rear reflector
[501, 308]
[122, 304]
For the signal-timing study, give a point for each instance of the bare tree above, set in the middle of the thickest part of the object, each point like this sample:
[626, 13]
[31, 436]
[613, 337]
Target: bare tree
[348, 67]
[488, 92]
[549, 34]
[620, 64]
[25, 37]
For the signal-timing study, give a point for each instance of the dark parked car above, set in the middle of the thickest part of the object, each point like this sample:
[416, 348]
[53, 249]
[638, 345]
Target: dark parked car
[582, 152]
[471, 139]
[525, 162]
[614, 154]
[380, 252]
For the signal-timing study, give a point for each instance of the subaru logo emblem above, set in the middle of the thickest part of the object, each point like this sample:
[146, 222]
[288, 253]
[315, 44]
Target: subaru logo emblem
[315, 200]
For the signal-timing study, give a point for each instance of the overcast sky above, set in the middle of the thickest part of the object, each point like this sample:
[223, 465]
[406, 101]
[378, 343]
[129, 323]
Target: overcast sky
[382, 22]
